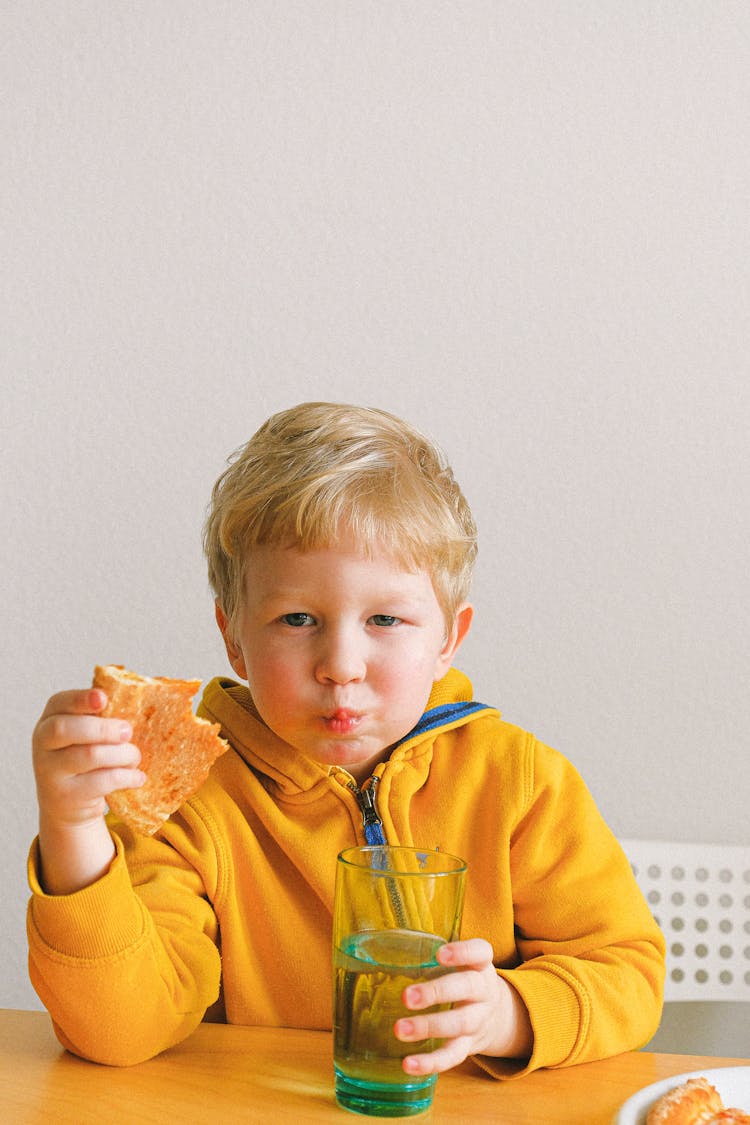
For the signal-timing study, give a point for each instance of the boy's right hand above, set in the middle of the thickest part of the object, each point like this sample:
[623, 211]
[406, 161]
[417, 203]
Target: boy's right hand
[79, 757]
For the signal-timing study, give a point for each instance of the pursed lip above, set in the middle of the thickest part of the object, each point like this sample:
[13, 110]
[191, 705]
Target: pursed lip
[342, 720]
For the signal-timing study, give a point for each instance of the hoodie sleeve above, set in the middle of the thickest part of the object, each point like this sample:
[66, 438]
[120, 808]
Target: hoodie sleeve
[592, 957]
[127, 966]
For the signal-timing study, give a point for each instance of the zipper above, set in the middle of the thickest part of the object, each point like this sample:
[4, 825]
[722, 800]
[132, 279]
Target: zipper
[371, 822]
[375, 835]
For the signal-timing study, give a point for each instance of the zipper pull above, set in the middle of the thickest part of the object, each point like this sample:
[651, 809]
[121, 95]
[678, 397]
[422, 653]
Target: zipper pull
[371, 822]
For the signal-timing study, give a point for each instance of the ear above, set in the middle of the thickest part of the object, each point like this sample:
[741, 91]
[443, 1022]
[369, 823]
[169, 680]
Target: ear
[457, 632]
[234, 652]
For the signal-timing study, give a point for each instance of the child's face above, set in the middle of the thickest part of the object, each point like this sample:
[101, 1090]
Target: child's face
[340, 650]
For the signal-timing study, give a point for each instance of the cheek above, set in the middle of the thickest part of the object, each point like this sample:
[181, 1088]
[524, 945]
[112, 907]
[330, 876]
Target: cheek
[406, 673]
[272, 676]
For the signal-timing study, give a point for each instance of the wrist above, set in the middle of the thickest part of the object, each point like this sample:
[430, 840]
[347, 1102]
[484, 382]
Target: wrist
[516, 1039]
[73, 856]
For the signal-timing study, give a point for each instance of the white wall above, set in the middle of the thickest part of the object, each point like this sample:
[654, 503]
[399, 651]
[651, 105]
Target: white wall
[524, 226]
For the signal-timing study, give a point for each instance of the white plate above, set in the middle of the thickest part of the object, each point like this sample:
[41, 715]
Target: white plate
[732, 1082]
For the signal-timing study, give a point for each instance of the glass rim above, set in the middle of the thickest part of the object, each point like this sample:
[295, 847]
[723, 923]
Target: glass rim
[458, 865]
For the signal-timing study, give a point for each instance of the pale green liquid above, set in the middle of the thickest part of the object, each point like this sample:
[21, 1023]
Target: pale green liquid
[371, 971]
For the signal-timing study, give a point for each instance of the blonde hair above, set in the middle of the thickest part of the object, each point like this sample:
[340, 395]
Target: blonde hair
[320, 470]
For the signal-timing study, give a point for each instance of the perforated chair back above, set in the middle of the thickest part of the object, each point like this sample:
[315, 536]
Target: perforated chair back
[700, 897]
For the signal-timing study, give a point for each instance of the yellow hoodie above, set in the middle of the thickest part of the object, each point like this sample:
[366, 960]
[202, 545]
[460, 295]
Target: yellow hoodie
[226, 912]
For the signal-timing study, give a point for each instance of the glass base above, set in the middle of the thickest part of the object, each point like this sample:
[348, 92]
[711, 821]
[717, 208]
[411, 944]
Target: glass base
[384, 1099]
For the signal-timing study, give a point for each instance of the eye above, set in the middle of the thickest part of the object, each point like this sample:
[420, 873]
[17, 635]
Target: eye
[384, 620]
[296, 620]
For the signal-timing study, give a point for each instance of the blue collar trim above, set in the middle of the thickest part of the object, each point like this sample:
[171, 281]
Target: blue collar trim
[443, 715]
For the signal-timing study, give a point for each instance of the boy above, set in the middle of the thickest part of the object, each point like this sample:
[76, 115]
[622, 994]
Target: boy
[340, 551]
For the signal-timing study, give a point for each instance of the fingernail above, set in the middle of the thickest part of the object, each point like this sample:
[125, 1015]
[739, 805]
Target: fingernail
[405, 1027]
[413, 997]
[125, 732]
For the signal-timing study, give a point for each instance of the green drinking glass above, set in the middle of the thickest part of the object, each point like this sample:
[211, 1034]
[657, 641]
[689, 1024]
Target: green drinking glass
[394, 907]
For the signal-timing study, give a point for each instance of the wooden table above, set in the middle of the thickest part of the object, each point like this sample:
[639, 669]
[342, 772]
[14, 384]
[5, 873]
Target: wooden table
[249, 1074]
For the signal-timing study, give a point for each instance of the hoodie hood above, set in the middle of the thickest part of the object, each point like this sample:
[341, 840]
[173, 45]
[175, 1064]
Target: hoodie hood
[229, 703]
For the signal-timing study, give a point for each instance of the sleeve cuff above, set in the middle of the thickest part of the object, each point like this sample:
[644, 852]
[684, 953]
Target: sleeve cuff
[86, 925]
[557, 1012]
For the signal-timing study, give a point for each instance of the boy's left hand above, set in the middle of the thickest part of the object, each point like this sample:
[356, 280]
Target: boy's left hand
[487, 1015]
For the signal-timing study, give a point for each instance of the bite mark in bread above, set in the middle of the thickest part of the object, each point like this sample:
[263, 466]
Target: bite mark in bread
[177, 748]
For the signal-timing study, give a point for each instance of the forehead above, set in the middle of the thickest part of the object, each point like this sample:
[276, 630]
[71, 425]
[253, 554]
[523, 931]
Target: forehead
[272, 571]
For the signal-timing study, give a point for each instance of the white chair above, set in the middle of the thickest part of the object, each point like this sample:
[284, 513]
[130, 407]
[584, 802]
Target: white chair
[700, 897]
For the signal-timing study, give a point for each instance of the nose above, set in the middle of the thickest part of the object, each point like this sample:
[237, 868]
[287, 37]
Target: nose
[340, 658]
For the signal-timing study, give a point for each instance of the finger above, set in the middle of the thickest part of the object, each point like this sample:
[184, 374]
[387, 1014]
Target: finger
[475, 953]
[100, 783]
[100, 756]
[453, 988]
[451, 1023]
[80, 773]
[60, 730]
[69, 792]
[443, 1058]
[83, 701]
[87, 795]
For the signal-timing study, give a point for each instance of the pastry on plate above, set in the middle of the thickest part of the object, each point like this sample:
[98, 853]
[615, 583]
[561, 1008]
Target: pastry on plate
[695, 1102]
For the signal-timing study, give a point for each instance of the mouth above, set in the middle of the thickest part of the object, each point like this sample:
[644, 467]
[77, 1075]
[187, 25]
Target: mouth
[342, 721]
